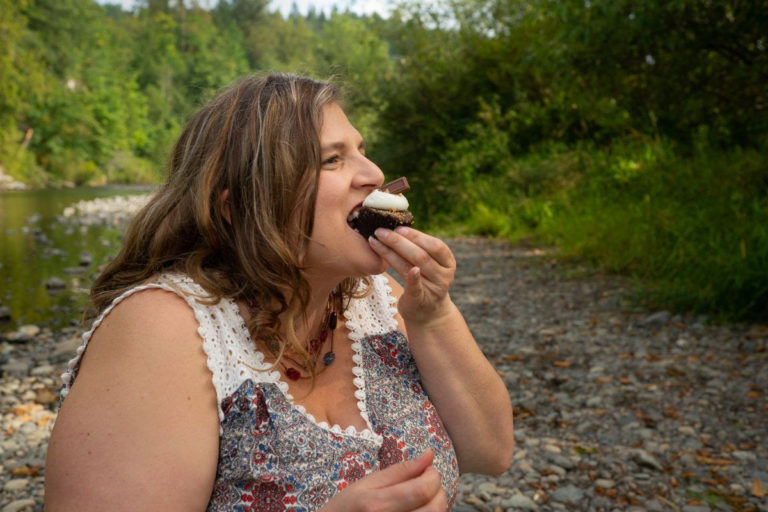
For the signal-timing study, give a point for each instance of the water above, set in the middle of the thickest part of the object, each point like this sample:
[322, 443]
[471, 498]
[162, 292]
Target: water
[36, 244]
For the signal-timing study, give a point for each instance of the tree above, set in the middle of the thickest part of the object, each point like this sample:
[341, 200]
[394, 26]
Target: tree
[22, 83]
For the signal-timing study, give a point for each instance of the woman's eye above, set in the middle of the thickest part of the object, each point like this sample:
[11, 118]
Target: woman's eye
[332, 160]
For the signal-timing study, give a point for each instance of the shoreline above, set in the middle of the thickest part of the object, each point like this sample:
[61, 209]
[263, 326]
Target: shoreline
[616, 408]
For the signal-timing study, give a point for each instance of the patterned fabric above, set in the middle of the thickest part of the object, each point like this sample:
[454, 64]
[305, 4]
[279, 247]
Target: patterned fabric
[273, 454]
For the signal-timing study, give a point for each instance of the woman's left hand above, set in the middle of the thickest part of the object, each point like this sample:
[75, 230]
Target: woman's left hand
[427, 266]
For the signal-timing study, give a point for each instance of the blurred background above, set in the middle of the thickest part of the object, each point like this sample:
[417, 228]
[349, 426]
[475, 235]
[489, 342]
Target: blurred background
[632, 136]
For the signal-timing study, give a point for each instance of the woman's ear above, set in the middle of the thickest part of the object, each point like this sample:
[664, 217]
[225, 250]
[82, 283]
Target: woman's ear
[224, 205]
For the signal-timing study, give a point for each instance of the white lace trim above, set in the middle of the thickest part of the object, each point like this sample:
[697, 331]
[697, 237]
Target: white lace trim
[373, 314]
[232, 357]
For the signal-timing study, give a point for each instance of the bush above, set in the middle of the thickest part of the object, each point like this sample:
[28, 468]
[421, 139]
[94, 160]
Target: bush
[693, 229]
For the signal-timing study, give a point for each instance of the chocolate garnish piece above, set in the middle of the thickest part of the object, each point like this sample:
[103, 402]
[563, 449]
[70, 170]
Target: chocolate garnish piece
[397, 186]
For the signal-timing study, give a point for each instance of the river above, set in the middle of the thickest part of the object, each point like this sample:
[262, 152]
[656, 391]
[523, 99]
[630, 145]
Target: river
[37, 244]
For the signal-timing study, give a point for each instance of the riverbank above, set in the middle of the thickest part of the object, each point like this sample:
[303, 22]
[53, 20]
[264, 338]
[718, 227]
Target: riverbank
[52, 244]
[616, 408]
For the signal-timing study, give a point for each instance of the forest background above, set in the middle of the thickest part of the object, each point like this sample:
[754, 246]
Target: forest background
[631, 135]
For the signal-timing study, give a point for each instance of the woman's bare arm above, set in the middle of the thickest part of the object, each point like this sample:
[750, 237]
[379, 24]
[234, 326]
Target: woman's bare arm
[139, 428]
[471, 398]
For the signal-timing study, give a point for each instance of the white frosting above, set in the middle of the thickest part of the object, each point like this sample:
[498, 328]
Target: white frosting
[386, 201]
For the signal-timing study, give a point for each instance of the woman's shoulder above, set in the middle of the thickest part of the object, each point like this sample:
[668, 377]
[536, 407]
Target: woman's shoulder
[144, 317]
[142, 377]
[173, 299]
[173, 313]
[162, 307]
[151, 308]
[153, 325]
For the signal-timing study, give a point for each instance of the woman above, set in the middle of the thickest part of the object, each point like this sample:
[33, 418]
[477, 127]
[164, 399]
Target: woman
[246, 352]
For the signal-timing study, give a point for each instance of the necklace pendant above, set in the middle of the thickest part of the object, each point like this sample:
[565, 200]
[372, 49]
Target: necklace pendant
[328, 358]
[332, 321]
[293, 374]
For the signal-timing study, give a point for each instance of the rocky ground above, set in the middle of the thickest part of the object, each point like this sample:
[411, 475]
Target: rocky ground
[616, 408]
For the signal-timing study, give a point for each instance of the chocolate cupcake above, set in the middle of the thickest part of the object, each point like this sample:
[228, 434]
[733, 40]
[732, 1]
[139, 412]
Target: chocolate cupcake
[385, 207]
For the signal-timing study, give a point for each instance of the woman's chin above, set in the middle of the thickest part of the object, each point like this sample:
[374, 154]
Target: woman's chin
[375, 265]
[382, 268]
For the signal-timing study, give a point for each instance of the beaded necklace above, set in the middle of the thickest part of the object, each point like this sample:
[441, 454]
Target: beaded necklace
[327, 328]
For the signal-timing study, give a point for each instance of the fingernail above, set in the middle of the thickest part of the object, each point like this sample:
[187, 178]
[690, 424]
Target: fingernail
[402, 230]
[372, 240]
[382, 233]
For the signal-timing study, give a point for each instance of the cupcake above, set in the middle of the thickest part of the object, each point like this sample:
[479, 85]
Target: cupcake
[385, 207]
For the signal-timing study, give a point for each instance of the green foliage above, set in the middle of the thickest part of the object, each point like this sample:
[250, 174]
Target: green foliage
[631, 134]
[692, 229]
[126, 168]
[22, 79]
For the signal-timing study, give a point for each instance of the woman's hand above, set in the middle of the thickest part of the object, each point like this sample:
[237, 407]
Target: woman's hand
[427, 266]
[413, 485]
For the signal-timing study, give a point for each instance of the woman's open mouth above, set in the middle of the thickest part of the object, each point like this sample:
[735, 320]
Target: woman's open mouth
[352, 218]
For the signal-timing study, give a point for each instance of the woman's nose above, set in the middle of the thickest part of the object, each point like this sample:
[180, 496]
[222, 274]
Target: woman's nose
[369, 174]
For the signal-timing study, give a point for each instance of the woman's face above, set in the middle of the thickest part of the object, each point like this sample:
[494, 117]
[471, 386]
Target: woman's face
[336, 250]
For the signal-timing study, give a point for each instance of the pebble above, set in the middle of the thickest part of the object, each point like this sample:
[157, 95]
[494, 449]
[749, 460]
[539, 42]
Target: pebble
[19, 505]
[616, 408]
[568, 494]
[605, 483]
[519, 501]
[45, 369]
[646, 405]
[645, 459]
[16, 484]
[105, 211]
[657, 319]
[15, 369]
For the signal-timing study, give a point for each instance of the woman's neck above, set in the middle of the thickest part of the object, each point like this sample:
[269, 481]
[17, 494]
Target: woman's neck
[315, 311]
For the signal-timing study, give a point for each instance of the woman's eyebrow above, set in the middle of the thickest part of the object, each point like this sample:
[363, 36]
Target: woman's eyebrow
[333, 146]
[338, 146]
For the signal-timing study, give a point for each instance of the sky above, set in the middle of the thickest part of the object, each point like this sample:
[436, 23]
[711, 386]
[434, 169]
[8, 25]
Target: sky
[359, 6]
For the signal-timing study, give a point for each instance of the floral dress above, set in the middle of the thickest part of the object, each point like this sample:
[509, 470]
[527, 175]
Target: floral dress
[273, 454]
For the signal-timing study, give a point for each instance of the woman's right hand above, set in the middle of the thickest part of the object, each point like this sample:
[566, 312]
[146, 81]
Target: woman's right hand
[413, 485]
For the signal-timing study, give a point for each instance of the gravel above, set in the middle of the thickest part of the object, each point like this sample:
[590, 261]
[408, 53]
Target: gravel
[616, 408]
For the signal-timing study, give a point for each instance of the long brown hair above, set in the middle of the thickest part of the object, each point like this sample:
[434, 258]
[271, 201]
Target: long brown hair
[260, 140]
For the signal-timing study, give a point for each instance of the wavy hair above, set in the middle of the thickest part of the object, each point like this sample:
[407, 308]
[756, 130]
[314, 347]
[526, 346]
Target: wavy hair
[260, 140]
